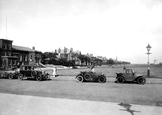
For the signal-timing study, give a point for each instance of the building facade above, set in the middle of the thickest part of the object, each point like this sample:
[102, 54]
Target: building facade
[12, 56]
[7, 60]
[69, 55]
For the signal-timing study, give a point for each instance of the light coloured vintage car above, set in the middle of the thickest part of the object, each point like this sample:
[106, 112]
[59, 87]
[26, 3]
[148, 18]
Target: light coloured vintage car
[51, 70]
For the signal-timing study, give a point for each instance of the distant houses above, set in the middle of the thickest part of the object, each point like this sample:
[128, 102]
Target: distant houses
[69, 55]
[12, 56]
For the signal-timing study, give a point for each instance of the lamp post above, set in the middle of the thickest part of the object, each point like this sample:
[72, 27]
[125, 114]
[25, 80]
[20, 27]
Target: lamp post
[148, 63]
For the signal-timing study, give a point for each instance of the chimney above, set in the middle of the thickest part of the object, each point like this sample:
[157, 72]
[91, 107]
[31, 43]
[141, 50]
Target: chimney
[33, 48]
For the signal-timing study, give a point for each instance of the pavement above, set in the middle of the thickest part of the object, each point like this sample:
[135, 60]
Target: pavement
[11, 104]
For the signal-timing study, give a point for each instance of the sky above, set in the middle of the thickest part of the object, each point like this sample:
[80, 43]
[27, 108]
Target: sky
[109, 28]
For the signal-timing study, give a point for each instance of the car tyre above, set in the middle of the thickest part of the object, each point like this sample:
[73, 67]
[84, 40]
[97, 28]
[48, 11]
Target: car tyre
[141, 80]
[39, 77]
[20, 76]
[102, 79]
[10, 76]
[79, 79]
[47, 77]
[33, 73]
[87, 77]
[120, 80]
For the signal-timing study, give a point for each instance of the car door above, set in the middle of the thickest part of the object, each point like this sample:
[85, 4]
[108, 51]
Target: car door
[129, 75]
[28, 71]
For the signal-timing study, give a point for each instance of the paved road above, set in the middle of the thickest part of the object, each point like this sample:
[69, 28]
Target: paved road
[11, 104]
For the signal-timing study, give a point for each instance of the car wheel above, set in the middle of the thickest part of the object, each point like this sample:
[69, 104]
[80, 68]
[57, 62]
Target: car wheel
[20, 76]
[141, 80]
[79, 78]
[5, 75]
[39, 77]
[102, 79]
[120, 80]
[33, 73]
[87, 77]
[10, 76]
[47, 77]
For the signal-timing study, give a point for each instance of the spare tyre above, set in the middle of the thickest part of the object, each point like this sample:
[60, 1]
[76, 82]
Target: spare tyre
[79, 78]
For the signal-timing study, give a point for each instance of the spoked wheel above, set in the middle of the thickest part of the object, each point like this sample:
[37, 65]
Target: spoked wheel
[102, 79]
[120, 80]
[141, 80]
[20, 76]
[10, 76]
[33, 73]
[39, 77]
[47, 77]
[79, 78]
[87, 77]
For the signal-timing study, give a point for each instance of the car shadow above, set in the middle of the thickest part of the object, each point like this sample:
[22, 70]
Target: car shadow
[127, 82]
[31, 79]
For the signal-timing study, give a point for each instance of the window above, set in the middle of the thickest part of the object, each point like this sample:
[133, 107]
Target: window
[9, 62]
[14, 62]
[3, 63]
[21, 58]
[26, 68]
[9, 53]
[26, 58]
[9, 46]
[4, 46]
[3, 53]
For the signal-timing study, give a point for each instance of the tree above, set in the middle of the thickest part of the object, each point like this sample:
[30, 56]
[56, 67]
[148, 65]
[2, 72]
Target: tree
[49, 57]
[110, 61]
[84, 59]
[81, 57]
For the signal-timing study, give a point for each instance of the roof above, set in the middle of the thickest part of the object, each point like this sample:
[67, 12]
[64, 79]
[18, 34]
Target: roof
[22, 48]
[6, 39]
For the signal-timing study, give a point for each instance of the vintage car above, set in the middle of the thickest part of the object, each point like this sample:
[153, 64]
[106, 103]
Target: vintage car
[91, 76]
[31, 71]
[51, 69]
[8, 73]
[130, 75]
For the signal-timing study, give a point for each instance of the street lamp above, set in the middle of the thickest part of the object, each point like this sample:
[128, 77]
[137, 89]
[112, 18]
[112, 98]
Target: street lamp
[148, 53]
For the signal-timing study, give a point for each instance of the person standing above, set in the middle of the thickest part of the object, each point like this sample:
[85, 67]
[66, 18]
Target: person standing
[92, 67]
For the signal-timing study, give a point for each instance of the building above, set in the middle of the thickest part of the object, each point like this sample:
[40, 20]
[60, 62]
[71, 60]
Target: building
[12, 56]
[7, 60]
[69, 55]
[26, 55]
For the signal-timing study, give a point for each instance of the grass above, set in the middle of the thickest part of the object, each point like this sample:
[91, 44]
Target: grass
[155, 70]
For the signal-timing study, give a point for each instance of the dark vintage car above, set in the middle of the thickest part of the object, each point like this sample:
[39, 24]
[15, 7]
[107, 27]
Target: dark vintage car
[130, 75]
[9, 73]
[91, 76]
[30, 71]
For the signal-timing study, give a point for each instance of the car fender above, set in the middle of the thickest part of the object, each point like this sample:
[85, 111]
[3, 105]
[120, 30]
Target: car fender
[137, 77]
[78, 75]
[119, 75]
